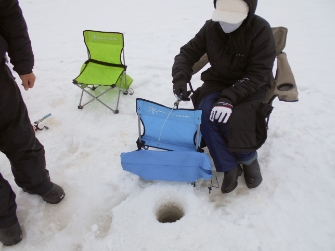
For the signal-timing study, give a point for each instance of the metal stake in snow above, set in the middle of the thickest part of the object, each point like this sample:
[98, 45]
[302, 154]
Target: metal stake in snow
[35, 125]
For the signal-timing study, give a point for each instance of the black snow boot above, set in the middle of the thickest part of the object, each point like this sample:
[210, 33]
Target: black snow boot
[252, 174]
[11, 235]
[229, 182]
[52, 196]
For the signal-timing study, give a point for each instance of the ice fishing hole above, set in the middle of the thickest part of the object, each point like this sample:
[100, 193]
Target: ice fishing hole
[169, 213]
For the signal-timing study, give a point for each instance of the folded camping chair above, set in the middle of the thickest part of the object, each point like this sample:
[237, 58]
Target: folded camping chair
[175, 134]
[283, 84]
[105, 67]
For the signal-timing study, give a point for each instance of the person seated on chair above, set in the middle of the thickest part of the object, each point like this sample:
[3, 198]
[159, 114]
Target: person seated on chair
[241, 52]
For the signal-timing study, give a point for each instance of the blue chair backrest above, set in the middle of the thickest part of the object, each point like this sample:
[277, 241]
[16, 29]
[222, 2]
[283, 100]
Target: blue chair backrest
[167, 128]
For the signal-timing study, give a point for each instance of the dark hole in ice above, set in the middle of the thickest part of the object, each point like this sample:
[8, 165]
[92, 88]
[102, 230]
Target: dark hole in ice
[169, 213]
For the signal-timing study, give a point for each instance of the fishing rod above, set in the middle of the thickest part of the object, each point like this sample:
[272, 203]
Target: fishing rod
[36, 123]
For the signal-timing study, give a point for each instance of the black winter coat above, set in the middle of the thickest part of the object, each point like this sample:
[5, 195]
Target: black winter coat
[14, 37]
[242, 78]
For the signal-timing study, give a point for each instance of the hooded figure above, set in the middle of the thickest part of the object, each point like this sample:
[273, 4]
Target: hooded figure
[241, 52]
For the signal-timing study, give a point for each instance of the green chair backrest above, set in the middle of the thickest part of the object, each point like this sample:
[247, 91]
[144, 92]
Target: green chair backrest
[104, 46]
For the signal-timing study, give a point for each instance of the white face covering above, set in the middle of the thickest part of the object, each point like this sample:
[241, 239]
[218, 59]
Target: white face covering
[228, 28]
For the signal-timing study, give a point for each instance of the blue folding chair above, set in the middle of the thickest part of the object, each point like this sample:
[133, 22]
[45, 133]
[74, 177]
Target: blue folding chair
[176, 133]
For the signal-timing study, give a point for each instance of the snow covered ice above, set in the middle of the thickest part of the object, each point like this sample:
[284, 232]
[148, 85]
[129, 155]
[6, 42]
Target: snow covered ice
[106, 208]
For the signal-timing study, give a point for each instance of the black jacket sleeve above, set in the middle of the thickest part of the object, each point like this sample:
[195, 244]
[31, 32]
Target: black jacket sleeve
[14, 31]
[189, 54]
[3, 48]
[260, 63]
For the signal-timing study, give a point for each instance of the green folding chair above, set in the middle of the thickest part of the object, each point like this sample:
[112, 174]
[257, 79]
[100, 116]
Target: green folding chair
[105, 67]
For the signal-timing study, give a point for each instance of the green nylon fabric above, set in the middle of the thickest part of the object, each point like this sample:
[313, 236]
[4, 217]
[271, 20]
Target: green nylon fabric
[97, 74]
[106, 47]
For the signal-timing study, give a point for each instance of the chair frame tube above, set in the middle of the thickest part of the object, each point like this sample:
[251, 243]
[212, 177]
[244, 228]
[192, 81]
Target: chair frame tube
[81, 106]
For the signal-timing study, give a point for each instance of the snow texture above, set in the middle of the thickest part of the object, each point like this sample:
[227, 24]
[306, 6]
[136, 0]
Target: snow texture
[106, 208]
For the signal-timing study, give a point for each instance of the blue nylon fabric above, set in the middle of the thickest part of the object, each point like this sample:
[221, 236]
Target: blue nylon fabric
[173, 130]
[183, 166]
[166, 128]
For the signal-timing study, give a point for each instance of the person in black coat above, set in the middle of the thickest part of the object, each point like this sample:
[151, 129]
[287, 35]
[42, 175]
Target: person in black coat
[17, 137]
[241, 52]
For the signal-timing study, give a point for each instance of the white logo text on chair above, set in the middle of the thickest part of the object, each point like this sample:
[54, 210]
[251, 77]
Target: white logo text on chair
[153, 110]
[95, 37]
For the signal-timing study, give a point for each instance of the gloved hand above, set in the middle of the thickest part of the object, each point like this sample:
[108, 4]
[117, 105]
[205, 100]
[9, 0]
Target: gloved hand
[180, 90]
[221, 112]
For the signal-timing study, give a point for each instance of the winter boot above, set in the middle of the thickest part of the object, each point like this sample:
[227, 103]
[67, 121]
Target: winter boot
[230, 179]
[252, 174]
[11, 235]
[52, 196]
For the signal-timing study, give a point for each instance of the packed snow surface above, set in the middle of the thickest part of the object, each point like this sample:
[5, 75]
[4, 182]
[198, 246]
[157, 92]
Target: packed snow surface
[107, 208]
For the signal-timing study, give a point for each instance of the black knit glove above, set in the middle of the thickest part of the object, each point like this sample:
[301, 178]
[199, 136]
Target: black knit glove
[180, 90]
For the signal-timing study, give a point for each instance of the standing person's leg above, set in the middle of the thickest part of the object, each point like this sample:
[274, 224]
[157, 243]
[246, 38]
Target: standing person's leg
[25, 153]
[7, 205]
[18, 141]
[10, 230]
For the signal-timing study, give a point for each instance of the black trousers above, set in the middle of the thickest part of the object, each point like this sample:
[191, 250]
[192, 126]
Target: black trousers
[18, 142]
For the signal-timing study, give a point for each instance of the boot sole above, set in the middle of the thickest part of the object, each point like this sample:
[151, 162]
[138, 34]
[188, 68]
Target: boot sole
[230, 190]
[54, 201]
[250, 186]
[12, 235]
[12, 243]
